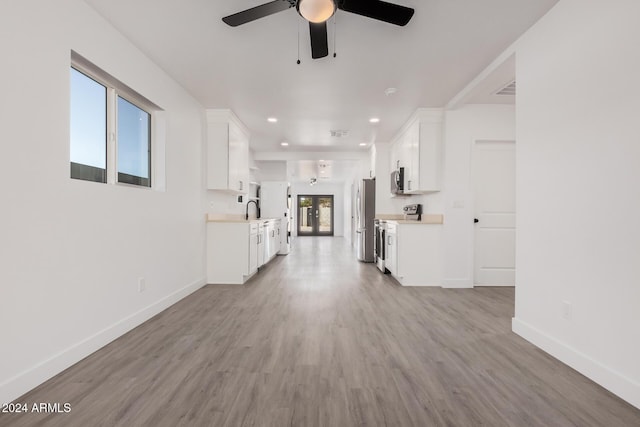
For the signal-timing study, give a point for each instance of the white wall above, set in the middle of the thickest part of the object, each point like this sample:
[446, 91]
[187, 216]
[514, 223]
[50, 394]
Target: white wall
[348, 211]
[72, 251]
[463, 126]
[222, 203]
[272, 170]
[335, 189]
[578, 178]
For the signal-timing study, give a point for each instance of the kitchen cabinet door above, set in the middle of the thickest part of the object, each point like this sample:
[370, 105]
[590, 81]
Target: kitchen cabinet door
[261, 245]
[253, 252]
[418, 148]
[278, 238]
[391, 258]
[412, 154]
[227, 152]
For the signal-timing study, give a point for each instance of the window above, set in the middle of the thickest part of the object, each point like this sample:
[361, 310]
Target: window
[134, 144]
[88, 128]
[110, 128]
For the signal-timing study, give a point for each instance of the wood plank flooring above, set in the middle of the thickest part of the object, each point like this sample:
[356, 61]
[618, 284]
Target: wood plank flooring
[318, 339]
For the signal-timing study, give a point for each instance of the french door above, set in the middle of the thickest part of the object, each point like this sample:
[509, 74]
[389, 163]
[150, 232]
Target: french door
[315, 215]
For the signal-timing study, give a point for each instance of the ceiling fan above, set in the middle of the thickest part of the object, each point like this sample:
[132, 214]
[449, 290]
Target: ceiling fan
[317, 12]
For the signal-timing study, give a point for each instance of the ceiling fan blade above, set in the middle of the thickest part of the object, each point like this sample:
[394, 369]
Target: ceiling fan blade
[319, 44]
[377, 9]
[257, 12]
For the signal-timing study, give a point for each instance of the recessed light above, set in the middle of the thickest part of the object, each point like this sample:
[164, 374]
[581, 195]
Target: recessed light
[284, 144]
[362, 144]
[321, 171]
[390, 91]
[374, 120]
[272, 120]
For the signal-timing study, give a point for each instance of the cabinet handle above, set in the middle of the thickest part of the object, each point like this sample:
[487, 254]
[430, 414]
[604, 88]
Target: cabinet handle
[409, 184]
[240, 185]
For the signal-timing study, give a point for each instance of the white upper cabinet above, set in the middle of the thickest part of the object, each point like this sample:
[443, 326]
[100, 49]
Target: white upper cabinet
[418, 149]
[227, 152]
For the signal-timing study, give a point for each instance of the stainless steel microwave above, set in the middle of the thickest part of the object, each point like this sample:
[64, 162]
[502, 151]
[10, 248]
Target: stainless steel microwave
[397, 181]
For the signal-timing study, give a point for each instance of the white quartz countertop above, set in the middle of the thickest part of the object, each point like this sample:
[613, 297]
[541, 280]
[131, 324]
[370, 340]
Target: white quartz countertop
[237, 219]
[426, 219]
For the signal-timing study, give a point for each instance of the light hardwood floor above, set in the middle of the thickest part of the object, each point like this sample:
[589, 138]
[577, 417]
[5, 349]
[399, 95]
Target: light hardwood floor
[318, 339]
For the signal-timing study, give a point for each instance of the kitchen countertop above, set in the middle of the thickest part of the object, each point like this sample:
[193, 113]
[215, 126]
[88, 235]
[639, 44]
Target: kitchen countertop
[426, 219]
[236, 219]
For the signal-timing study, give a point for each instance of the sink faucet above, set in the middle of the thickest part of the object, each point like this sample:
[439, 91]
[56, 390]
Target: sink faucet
[246, 216]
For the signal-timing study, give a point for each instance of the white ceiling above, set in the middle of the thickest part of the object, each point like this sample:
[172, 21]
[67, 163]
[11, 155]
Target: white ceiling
[322, 170]
[252, 68]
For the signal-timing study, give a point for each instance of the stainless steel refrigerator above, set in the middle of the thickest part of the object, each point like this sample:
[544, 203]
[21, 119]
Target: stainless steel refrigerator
[365, 213]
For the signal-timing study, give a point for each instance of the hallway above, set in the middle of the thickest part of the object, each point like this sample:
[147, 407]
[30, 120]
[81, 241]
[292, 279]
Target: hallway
[318, 339]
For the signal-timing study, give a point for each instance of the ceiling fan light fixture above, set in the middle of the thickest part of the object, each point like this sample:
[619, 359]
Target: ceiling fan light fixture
[316, 11]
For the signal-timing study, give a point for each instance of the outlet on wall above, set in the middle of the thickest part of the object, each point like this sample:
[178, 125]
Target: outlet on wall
[142, 284]
[566, 310]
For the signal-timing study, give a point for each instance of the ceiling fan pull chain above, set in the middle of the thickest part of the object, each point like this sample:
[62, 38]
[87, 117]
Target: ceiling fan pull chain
[335, 33]
[298, 62]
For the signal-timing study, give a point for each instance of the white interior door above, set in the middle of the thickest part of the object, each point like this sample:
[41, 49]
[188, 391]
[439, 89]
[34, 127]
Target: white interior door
[494, 166]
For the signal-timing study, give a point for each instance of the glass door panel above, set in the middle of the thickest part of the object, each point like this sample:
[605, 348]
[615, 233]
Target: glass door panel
[305, 215]
[325, 215]
[315, 215]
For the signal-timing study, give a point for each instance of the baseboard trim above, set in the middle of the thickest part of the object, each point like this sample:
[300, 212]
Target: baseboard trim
[608, 378]
[47, 369]
[457, 283]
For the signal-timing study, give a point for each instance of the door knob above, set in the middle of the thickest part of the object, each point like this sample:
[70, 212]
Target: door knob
[476, 220]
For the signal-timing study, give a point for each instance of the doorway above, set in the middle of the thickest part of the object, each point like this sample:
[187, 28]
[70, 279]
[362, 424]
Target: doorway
[315, 215]
[494, 165]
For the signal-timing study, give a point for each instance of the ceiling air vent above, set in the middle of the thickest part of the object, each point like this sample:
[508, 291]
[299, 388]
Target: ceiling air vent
[509, 89]
[339, 133]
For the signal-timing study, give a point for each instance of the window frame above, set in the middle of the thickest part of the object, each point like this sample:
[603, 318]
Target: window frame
[116, 89]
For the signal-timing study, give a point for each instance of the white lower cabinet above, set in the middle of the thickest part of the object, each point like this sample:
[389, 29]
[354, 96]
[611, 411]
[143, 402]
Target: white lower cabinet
[277, 237]
[391, 258]
[260, 234]
[414, 253]
[273, 235]
[235, 250]
[254, 242]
